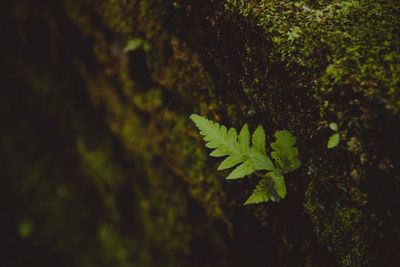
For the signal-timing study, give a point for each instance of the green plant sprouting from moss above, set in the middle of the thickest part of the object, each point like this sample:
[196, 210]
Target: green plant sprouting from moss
[137, 43]
[335, 138]
[249, 159]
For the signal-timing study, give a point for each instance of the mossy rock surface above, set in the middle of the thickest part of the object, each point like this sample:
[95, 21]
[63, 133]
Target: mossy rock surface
[102, 166]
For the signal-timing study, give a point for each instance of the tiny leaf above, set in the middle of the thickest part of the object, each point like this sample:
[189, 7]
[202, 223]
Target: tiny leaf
[333, 141]
[333, 126]
[133, 44]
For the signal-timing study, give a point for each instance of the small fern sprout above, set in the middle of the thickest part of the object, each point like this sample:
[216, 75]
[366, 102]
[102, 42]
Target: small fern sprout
[248, 158]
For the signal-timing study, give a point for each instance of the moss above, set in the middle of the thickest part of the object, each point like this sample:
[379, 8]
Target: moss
[346, 46]
[341, 220]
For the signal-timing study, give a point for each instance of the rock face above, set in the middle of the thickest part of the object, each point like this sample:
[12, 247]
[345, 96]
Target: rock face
[100, 165]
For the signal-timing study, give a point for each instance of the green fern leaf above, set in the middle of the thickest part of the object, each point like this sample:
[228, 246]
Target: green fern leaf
[236, 147]
[244, 138]
[260, 194]
[248, 158]
[259, 139]
[231, 161]
[279, 183]
[246, 168]
[333, 140]
[285, 154]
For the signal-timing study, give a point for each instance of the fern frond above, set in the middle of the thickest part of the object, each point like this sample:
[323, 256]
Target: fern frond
[236, 147]
[260, 194]
[247, 159]
[285, 154]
